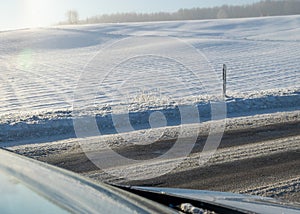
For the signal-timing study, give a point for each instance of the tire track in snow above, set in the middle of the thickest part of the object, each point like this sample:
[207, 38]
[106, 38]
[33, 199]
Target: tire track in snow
[227, 155]
[278, 189]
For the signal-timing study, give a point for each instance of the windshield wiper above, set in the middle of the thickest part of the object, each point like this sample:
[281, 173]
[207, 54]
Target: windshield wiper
[176, 202]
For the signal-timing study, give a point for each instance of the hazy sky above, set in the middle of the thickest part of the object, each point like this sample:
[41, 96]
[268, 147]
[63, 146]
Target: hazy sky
[30, 13]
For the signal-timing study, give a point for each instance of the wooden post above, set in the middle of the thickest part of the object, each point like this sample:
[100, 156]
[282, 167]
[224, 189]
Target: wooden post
[224, 79]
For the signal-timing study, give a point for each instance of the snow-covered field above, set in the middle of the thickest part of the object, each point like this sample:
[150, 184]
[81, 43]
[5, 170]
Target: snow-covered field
[40, 69]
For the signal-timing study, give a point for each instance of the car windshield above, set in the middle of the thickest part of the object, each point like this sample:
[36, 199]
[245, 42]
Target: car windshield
[201, 95]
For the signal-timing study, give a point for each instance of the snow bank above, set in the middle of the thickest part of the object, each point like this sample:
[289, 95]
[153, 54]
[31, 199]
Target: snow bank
[44, 125]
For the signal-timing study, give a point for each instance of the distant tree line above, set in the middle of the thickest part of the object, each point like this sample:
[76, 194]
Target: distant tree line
[263, 8]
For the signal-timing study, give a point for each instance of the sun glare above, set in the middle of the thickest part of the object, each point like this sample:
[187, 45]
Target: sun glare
[36, 13]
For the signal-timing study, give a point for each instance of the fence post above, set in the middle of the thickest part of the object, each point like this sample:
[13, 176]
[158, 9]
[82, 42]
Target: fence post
[224, 79]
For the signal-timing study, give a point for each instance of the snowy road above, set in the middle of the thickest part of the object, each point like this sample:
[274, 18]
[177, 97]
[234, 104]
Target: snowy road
[262, 149]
